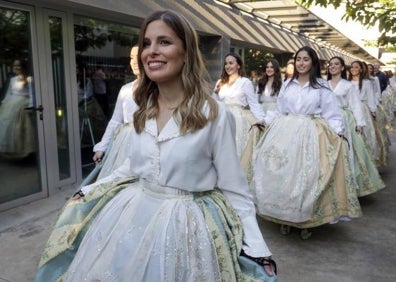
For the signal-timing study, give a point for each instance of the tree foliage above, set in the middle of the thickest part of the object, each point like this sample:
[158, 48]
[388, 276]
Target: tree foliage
[256, 59]
[368, 13]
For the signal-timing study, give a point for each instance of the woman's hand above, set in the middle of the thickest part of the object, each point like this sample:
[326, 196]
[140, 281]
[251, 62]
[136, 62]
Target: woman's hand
[269, 266]
[260, 125]
[97, 158]
[78, 195]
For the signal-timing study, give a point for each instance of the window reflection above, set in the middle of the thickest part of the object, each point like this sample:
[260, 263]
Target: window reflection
[102, 59]
[18, 122]
[57, 59]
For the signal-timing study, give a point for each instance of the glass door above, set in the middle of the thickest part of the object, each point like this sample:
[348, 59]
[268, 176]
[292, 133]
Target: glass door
[61, 132]
[21, 110]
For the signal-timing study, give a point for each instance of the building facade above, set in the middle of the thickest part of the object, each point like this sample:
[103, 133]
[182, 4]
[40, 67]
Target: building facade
[60, 44]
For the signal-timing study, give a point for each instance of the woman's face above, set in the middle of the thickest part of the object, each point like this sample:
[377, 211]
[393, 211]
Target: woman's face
[289, 69]
[17, 67]
[134, 60]
[231, 65]
[355, 69]
[269, 69]
[163, 55]
[370, 69]
[303, 63]
[335, 67]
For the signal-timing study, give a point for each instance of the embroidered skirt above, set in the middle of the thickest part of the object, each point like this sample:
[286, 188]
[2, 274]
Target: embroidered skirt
[301, 174]
[131, 230]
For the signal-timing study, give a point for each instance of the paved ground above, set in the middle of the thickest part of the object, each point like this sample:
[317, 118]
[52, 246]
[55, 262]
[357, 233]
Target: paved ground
[362, 250]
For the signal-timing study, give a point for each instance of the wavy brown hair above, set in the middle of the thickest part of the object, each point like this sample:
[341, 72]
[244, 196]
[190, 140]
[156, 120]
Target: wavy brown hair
[194, 76]
[224, 75]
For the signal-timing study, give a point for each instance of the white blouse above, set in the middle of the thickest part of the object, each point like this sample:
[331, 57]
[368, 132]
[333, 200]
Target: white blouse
[366, 94]
[241, 93]
[123, 113]
[21, 88]
[195, 162]
[295, 98]
[265, 96]
[348, 97]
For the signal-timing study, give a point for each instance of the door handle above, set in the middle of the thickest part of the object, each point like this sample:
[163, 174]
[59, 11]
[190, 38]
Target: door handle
[38, 109]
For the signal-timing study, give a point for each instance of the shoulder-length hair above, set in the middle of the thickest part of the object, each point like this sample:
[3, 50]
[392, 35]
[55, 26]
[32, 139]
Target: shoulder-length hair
[343, 72]
[361, 74]
[314, 73]
[224, 78]
[276, 85]
[194, 79]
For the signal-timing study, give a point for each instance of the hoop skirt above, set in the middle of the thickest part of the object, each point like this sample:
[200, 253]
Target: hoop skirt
[118, 150]
[17, 127]
[207, 229]
[365, 171]
[290, 187]
[381, 134]
[243, 121]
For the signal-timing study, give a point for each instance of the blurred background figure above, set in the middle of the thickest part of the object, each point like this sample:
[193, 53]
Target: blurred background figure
[289, 71]
[116, 137]
[254, 77]
[269, 85]
[17, 121]
[100, 88]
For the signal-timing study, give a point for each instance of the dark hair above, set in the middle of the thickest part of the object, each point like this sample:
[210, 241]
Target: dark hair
[343, 72]
[361, 74]
[276, 85]
[24, 68]
[314, 73]
[224, 76]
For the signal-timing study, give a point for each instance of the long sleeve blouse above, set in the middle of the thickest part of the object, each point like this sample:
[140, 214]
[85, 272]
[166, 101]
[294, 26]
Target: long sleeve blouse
[366, 94]
[123, 113]
[195, 162]
[266, 96]
[241, 93]
[347, 97]
[295, 98]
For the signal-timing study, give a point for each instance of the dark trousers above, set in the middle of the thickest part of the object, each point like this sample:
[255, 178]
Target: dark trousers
[103, 102]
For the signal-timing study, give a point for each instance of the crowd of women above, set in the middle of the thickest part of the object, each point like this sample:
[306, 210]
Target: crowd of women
[186, 169]
[310, 145]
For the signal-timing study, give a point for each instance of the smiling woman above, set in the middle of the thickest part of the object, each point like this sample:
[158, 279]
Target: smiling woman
[302, 176]
[179, 208]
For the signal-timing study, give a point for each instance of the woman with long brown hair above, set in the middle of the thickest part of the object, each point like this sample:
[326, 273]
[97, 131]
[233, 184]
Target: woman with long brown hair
[180, 208]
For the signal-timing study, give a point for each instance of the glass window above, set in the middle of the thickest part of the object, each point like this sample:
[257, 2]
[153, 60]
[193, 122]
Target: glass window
[102, 60]
[19, 158]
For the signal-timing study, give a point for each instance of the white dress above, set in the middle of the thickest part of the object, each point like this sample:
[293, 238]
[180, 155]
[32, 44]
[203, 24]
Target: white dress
[267, 101]
[17, 125]
[348, 99]
[300, 165]
[154, 230]
[363, 167]
[115, 140]
[367, 97]
[242, 100]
